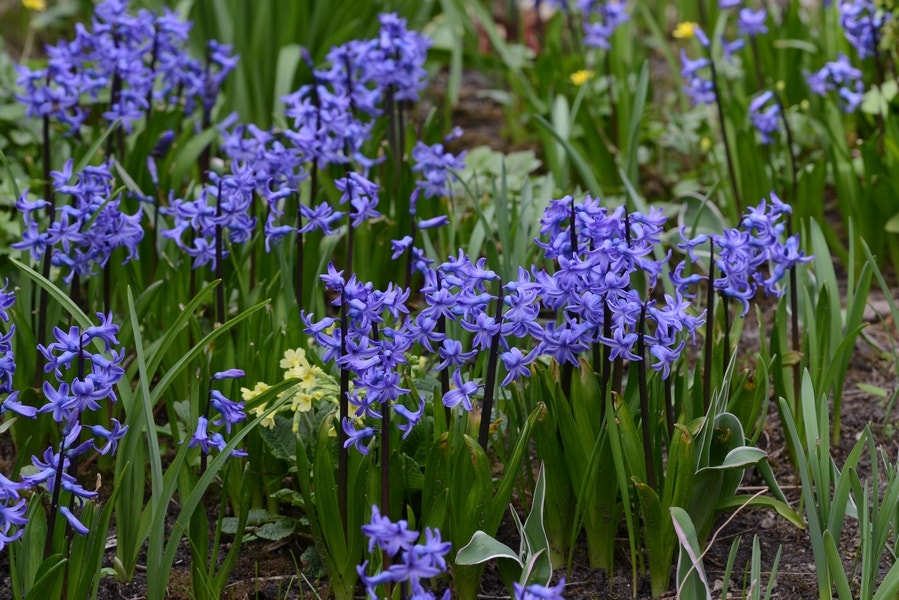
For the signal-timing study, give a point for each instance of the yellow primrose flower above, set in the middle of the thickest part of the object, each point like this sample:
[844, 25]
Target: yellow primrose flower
[293, 358]
[249, 394]
[685, 30]
[581, 77]
[302, 402]
[268, 421]
[38, 5]
[297, 372]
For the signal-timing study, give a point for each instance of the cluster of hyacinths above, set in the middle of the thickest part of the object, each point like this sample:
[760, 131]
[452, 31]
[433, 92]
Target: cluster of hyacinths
[589, 291]
[230, 413]
[862, 24]
[754, 255]
[229, 212]
[601, 19]
[141, 59]
[839, 75]
[12, 506]
[411, 562]
[698, 86]
[83, 234]
[84, 381]
[331, 120]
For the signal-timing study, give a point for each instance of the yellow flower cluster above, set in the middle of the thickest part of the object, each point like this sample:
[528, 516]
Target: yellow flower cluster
[685, 30]
[313, 384]
[37, 5]
[581, 77]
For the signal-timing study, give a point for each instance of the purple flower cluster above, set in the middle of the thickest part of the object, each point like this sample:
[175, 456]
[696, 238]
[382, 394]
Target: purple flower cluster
[437, 167]
[698, 87]
[7, 358]
[592, 289]
[538, 592]
[142, 58]
[862, 23]
[329, 124]
[411, 562]
[225, 203]
[765, 115]
[741, 254]
[12, 506]
[230, 413]
[752, 22]
[839, 75]
[601, 19]
[374, 350]
[83, 234]
[331, 120]
[84, 381]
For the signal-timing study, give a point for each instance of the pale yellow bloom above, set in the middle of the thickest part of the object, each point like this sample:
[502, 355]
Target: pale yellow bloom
[293, 358]
[298, 372]
[38, 5]
[581, 77]
[705, 144]
[249, 394]
[269, 420]
[302, 402]
[685, 30]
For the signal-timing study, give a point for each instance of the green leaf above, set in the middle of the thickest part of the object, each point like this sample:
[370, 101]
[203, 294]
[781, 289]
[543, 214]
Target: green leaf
[280, 440]
[872, 389]
[482, 548]
[744, 456]
[277, 530]
[686, 534]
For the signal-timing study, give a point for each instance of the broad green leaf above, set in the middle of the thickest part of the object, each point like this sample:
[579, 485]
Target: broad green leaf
[482, 548]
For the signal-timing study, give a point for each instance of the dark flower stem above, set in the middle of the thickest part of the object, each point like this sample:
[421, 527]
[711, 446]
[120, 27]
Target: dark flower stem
[567, 368]
[709, 330]
[669, 408]
[645, 416]
[219, 250]
[720, 110]
[410, 256]
[606, 355]
[794, 324]
[54, 503]
[43, 296]
[343, 413]
[490, 383]
[725, 306]
[300, 255]
[444, 374]
[206, 407]
[879, 72]
[385, 442]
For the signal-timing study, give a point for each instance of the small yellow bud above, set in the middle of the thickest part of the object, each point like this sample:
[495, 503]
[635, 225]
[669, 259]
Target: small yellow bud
[685, 30]
[37, 5]
[780, 86]
[804, 104]
[705, 144]
[581, 77]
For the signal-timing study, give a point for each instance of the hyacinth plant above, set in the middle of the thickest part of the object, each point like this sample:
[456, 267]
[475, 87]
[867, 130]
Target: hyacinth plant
[411, 368]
